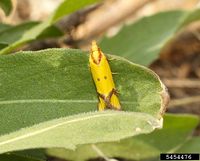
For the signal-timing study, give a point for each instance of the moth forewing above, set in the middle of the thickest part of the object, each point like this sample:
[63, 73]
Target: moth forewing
[103, 79]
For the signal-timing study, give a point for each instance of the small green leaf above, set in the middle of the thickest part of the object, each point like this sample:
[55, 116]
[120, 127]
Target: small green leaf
[6, 5]
[67, 7]
[173, 134]
[142, 41]
[48, 99]
[12, 34]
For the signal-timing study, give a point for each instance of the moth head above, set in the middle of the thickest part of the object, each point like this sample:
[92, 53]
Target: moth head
[96, 54]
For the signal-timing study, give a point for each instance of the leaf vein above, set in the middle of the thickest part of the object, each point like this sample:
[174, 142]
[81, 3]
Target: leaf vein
[52, 127]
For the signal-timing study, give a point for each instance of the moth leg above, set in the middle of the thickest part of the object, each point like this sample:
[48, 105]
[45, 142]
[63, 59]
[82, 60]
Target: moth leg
[101, 104]
[110, 102]
[104, 102]
[117, 91]
[113, 100]
[113, 91]
[101, 96]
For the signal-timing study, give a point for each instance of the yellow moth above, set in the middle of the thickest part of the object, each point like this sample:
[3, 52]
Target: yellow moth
[103, 80]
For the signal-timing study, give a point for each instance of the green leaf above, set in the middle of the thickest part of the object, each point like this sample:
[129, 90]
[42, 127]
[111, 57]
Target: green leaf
[70, 6]
[6, 5]
[173, 134]
[142, 41]
[4, 27]
[50, 32]
[12, 34]
[67, 7]
[192, 145]
[48, 99]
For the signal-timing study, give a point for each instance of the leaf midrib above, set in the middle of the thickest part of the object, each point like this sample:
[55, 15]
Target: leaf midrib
[51, 127]
[46, 101]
